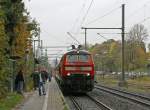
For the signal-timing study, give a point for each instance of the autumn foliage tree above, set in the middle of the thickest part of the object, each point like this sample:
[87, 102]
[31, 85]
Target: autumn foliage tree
[136, 57]
[3, 57]
[16, 32]
[108, 54]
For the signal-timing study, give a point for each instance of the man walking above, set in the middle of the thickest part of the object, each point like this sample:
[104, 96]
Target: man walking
[35, 78]
[42, 81]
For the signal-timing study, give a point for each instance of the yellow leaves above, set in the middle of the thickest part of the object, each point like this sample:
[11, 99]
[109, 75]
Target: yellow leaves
[113, 48]
[21, 40]
[140, 55]
[95, 49]
[2, 35]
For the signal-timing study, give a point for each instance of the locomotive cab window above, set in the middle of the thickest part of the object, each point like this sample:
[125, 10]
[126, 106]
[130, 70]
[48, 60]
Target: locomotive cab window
[80, 58]
[83, 58]
[72, 58]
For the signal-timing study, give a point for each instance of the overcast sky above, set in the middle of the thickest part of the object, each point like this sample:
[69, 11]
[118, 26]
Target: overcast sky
[57, 17]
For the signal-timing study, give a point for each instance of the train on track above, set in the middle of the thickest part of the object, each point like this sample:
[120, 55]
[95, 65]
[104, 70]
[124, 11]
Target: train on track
[75, 71]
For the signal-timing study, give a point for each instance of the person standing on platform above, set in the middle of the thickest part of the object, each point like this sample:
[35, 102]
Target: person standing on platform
[19, 81]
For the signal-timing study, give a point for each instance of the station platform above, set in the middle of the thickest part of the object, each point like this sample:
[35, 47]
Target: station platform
[53, 100]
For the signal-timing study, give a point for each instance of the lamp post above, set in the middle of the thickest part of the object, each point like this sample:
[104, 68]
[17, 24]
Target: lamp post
[35, 54]
[26, 67]
[13, 59]
[12, 84]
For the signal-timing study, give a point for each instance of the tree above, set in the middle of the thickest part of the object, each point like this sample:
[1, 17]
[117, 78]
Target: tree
[135, 47]
[138, 33]
[3, 57]
[149, 47]
[108, 55]
[15, 30]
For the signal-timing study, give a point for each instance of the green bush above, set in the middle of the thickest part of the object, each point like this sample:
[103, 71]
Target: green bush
[10, 101]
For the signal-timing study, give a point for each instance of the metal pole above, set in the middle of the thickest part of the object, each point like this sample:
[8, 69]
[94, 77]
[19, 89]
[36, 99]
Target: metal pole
[34, 55]
[85, 39]
[38, 49]
[34, 48]
[123, 28]
[35, 51]
[100, 28]
[123, 82]
[46, 59]
[94, 28]
[38, 41]
[41, 47]
[46, 52]
[13, 76]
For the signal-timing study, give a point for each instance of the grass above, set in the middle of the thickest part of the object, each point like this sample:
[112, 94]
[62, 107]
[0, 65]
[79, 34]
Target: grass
[65, 108]
[140, 84]
[64, 103]
[107, 80]
[10, 101]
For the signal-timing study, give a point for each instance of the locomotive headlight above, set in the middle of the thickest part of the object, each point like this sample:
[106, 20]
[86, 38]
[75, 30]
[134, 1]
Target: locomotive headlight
[88, 74]
[68, 74]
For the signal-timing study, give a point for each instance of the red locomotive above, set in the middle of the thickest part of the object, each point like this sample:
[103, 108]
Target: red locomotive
[76, 71]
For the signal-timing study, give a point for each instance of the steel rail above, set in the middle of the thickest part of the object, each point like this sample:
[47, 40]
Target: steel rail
[123, 96]
[128, 93]
[100, 104]
[75, 103]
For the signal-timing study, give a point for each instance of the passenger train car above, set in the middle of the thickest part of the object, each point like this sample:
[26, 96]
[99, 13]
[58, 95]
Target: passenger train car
[75, 72]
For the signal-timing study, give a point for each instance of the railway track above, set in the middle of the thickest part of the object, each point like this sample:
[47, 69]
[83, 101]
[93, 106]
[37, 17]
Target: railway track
[139, 99]
[79, 106]
[100, 104]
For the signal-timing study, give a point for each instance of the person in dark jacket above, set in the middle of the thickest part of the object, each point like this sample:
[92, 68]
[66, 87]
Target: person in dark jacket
[35, 77]
[19, 82]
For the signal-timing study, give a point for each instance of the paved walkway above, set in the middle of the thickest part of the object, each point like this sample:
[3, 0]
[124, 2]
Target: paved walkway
[53, 100]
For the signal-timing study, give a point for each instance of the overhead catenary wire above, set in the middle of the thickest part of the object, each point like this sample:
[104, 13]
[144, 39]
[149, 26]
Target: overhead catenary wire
[58, 40]
[73, 38]
[106, 14]
[102, 36]
[137, 10]
[116, 2]
[145, 5]
[53, 36]
[78, 17]
[144, 20]
[84, 17]
[56, 55]
[110, 33]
